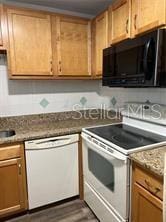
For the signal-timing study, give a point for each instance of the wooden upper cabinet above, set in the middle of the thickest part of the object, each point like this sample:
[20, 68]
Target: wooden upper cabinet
[3, 29]
[100, 39]
[30, 52]
[147, 15]
[120, 20]
[1, 40]
[71, 46]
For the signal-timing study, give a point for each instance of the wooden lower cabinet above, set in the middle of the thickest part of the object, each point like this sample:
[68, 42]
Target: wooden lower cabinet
[13, 196]
[147, 204]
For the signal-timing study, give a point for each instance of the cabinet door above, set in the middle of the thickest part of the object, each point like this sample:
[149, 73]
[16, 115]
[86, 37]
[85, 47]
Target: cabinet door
[101, 40]
[120, 20]
[30, 50]
[147, 15]
[12, 198]
[1, 40]
[73, 46]
[146, 207]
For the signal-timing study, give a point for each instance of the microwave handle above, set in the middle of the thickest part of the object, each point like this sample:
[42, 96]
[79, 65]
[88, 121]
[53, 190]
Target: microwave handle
[145, 60]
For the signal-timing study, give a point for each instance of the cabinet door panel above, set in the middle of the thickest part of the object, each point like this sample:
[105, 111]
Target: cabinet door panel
[101, 40]
[146, 207]
[11, 186]
[147, 15]
[30, 43]
[120, 20]
[73, 47]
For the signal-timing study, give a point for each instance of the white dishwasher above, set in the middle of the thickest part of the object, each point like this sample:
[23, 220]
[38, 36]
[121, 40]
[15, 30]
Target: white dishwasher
[52, 169]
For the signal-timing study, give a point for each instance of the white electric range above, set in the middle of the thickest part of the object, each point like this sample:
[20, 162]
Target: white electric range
[107, 166]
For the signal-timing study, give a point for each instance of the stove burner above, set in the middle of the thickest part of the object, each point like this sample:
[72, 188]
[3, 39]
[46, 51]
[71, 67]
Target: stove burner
[127, 139]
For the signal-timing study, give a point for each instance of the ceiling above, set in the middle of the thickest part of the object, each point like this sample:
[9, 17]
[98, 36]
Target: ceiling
[91, 7]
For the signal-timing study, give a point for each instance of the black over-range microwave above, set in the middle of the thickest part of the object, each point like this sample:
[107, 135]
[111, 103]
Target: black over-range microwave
[139, 62]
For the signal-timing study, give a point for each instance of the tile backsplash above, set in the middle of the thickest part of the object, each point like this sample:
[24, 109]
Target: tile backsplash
[21, 97]
[120, 95]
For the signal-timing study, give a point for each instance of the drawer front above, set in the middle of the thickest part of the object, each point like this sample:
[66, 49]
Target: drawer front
[10, 152]
[149, 182]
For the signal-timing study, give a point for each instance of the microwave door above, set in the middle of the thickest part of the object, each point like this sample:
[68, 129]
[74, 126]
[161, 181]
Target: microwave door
[149, 61]
[126, 62]
[109, 74]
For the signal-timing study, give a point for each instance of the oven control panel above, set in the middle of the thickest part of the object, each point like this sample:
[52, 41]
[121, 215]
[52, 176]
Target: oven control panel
[102, 148]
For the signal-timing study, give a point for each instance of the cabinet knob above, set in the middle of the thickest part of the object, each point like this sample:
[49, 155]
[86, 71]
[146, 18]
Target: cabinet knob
[151, 188]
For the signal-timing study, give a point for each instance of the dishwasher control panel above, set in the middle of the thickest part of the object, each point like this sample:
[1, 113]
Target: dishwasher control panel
[52, 142]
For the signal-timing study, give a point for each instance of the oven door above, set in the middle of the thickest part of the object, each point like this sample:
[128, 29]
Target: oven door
[108, 174]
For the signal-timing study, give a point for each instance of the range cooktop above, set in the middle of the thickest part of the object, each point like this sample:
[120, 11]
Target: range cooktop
[125, 136]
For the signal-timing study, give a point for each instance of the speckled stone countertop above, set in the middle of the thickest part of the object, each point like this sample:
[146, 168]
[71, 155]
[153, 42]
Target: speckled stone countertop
[151, 159]
[53, 124]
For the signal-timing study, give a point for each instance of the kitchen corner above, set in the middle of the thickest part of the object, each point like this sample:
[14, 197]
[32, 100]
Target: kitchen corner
[152, 160]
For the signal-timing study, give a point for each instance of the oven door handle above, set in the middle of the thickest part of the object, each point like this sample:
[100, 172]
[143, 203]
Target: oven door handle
[98, 147]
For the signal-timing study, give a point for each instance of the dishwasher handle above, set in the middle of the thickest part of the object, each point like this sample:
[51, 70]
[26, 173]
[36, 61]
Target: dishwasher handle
[51, 143]
[64, 140]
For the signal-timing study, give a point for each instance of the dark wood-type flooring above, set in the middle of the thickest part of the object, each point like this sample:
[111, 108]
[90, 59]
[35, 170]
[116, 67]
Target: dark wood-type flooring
[73, 211]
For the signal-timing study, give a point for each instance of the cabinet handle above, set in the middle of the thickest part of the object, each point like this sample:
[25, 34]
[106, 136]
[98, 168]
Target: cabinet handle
[127, 26]
[51, 70]
[153, 190]
[60, 68]
[19, 168]
[135, 21]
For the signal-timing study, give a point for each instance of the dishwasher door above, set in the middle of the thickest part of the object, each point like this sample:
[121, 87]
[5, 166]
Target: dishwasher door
[52, 169]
